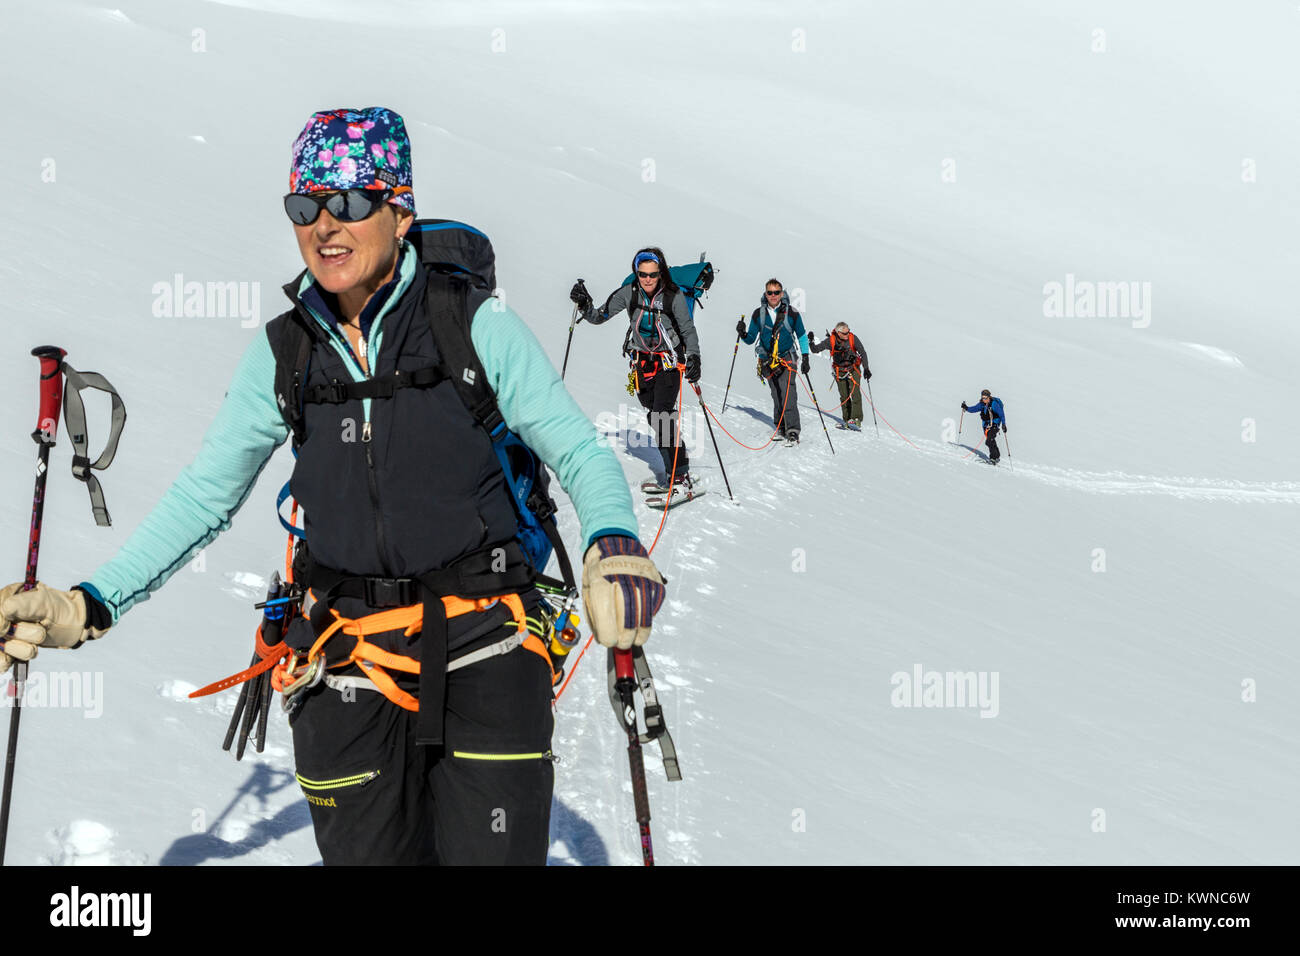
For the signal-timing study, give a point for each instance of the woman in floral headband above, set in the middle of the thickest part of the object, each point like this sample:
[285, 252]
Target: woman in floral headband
[416, 493]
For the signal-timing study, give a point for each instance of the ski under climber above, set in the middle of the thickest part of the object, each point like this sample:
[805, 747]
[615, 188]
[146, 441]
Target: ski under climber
[850, 366]
[778, 329]
[660, 338]
[994, 417]
[414, 519]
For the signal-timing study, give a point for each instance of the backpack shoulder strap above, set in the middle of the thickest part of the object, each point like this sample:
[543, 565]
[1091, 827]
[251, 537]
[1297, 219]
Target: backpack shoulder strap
[447, 299]
[633, 300]
[291, 340]
[669, 301]
[451, 304]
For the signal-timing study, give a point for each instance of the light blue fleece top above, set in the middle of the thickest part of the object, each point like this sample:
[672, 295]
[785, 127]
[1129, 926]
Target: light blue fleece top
[248, 429]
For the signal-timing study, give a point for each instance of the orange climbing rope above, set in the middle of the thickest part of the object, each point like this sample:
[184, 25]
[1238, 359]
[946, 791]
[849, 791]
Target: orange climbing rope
[873, 408]
[672, 475]
[784, 399]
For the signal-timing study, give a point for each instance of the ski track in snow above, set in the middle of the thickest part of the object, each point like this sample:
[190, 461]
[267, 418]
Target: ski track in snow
[773, 488]
[687, 554]
[1202, 489]
[1123, 483]
[689, 550]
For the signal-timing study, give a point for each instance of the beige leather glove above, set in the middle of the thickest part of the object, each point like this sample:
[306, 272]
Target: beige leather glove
[622, 589]
[42, 617]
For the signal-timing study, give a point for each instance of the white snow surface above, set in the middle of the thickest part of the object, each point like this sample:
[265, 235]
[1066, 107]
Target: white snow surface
[1125, 581]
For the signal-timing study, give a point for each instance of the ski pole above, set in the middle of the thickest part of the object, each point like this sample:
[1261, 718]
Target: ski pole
[819, 413]
[47, 427]
[959, 421]
[873, 408]
[1008, 440]
[734, 352]
[572, 322]
[625, 687]
[714, 438]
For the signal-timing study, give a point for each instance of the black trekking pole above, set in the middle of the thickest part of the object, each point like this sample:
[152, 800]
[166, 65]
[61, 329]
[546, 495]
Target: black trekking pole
[1008, 440]
[873, 408]
[627, 672]
[572, 322]
[47, 428]
[819, 412]
[734, 352]
[625, 687]
[959, 422]
[716, 453]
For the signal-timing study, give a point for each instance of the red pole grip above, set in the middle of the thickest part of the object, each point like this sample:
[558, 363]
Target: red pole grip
[47, 423]
[623, 666]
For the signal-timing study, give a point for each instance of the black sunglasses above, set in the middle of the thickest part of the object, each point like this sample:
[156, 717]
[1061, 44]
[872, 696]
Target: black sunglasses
[772, 292]
[646, 275]
[350, 205]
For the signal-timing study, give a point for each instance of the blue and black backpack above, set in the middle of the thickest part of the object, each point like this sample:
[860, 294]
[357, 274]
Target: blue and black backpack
[463, 258]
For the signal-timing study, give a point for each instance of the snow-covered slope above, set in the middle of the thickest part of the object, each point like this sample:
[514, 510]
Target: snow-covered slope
[924, 172]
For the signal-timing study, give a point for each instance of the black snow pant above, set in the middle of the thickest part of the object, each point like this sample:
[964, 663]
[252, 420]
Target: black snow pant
[658, 396]
[990, 440]
[377, 798]
[785, 400]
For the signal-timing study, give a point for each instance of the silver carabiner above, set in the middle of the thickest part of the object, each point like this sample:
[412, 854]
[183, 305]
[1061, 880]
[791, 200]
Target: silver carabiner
[312, 676]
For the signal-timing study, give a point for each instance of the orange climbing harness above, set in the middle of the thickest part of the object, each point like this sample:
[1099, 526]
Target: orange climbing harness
[300, 671]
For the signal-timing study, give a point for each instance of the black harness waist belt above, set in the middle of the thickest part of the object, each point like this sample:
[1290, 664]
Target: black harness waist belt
[502, 569]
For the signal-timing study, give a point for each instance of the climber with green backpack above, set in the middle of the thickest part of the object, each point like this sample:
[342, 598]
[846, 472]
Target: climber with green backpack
[422, 411]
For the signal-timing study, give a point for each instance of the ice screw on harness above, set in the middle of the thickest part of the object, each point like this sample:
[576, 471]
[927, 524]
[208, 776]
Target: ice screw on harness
[254, 704]
[559, 631]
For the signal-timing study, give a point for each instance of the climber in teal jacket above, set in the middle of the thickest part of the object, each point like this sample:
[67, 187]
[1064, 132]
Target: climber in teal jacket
[429, 702]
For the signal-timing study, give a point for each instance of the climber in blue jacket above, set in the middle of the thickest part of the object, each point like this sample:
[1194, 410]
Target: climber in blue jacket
[994, 417]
